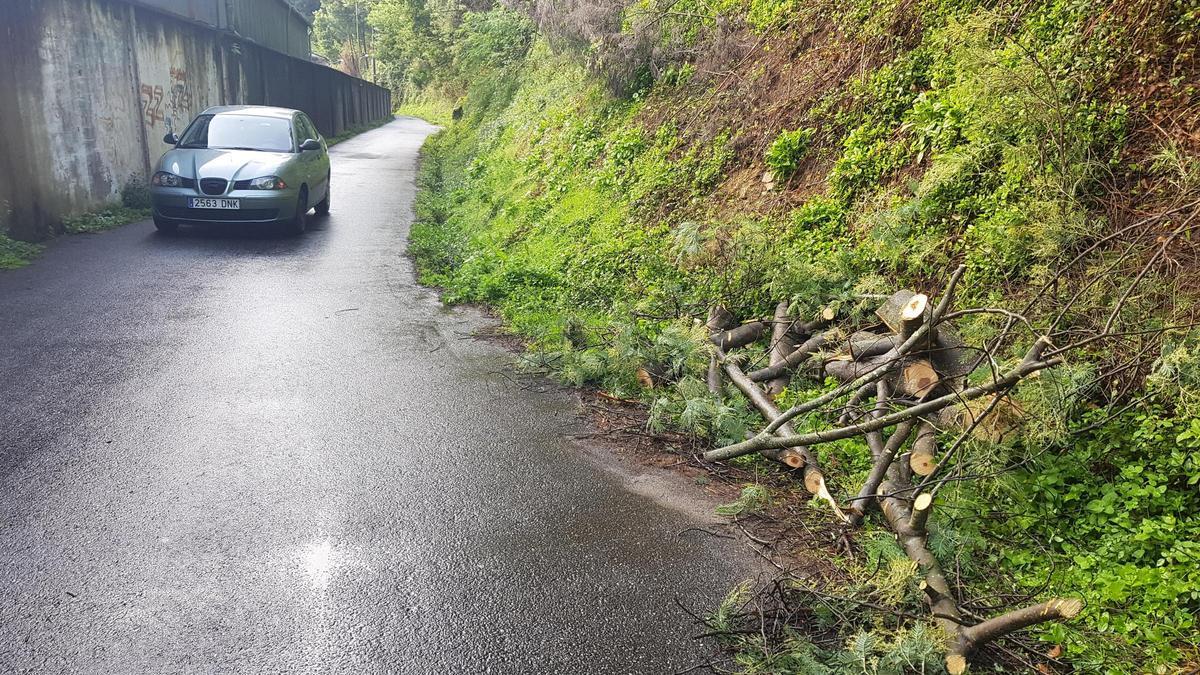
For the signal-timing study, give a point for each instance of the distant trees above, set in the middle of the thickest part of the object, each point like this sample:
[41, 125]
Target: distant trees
[343, 35]
[416, 46]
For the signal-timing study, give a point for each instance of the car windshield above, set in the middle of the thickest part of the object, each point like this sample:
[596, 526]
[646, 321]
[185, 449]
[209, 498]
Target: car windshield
[239, 132]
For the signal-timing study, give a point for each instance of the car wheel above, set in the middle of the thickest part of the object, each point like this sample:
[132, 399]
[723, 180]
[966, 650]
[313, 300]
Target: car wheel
[164, 225]
[323, 205]
[299, 222]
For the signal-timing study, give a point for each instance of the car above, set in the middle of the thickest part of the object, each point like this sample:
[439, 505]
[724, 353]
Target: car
[243, 164]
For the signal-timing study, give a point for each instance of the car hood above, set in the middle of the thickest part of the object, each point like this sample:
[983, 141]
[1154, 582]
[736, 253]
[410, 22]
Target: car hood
[228, 164]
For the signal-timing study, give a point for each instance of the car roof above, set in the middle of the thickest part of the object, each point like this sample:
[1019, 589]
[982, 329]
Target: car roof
[256, 110]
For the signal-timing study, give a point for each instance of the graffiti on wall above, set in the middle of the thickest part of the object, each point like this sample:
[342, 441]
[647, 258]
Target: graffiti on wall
[171, 105]
[152, 97]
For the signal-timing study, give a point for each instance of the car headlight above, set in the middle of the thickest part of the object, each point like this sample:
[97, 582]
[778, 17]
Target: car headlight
[267, 183]
[164, 179]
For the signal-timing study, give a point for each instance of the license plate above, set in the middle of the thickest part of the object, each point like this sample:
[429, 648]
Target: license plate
[213, 203]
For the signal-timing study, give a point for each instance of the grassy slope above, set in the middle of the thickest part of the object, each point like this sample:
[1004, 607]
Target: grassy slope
[922, 135]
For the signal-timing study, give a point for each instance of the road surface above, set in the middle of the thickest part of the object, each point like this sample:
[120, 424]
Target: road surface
[238, 452]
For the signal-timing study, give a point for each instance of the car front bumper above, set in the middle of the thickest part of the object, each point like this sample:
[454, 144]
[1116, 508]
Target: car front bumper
[257, 206]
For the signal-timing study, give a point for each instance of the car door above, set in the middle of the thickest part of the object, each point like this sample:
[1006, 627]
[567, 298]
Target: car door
[316, 161]
[306, 162]
[322, 164]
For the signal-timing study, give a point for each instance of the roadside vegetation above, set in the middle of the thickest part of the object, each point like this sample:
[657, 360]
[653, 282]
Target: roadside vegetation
[435, 109]
[134, 206]
[351, 132]
[622, 169]
[15, 253]
[103, 219]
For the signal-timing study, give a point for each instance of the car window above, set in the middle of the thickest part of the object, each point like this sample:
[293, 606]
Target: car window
[239, 132]
[308, 130]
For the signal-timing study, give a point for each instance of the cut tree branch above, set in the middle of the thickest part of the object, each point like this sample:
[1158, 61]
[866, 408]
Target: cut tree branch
[814, 479]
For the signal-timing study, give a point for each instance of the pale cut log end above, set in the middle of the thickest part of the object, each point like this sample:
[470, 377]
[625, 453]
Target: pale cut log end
[915, 307]
[829, 313]
[645, 379]
[923, 501]
[814, 482]
[794, 459]
[921, 463]
[919, 378]
[956, 664]
[1065, 608]
[919, 517]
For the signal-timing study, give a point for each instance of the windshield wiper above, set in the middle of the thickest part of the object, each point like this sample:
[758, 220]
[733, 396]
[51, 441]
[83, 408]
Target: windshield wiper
[238, 147]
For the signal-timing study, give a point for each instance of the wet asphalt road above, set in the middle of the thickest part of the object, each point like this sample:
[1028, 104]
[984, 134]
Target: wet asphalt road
[237, 452]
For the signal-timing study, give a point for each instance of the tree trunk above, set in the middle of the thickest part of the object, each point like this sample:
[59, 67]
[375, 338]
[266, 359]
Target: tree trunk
[865, 344]
[884, 457]
[889, 312]
[718, 319]
[782, 344]
[970, 639]
[918, 379]
[797, 357]
[740, 336]
[923, 458]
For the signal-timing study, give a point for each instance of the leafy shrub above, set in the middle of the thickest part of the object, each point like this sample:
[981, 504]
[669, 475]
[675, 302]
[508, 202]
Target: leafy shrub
[104, 219]
[692, 407]
[487, 41]
[869, 153]
[1132, 544]
[787, 150]
[136, 193]
[754, 498]
[764, 15]
[14, 253]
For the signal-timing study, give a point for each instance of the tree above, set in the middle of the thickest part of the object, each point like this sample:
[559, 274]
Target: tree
[415, 39]
[343, 35]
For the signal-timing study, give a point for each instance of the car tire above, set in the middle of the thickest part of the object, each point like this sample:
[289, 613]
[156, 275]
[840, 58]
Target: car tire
[323, 205]
[299, 222]
[165, 226]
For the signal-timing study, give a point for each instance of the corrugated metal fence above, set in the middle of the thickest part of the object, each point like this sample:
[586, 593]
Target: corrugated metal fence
[273, 24]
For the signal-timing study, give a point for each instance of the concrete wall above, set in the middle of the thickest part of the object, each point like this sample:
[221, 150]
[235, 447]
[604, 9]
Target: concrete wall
[273, 24]
[88, 88]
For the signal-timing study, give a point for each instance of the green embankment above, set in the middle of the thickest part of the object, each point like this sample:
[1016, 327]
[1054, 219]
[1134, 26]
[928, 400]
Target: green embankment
[1008, 137]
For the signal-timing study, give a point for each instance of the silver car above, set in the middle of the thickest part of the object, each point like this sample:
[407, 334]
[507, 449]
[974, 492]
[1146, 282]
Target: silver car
[243, 164]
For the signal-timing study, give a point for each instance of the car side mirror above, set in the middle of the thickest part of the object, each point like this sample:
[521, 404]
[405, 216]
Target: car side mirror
[171, 139]
[311, 144]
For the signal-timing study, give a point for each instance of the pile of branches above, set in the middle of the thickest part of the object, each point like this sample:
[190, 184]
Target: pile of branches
[903, 385]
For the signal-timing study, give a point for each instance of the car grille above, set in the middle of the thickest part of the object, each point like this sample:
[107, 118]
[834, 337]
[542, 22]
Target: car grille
[213, 186]
[219, 214]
